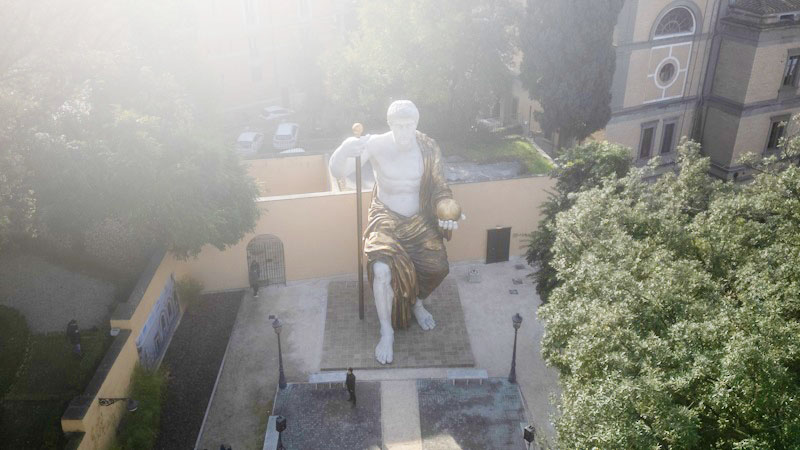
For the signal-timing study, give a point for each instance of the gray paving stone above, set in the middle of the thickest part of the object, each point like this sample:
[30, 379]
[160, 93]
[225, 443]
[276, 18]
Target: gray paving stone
[350, 342]
[470, 416]
[318, 418]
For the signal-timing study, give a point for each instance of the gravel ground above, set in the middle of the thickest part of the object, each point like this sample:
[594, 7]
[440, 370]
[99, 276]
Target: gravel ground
[322, 418]
[193, 360]
[49, 295]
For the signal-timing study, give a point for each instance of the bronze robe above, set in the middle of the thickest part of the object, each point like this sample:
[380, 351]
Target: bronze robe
[411, 246]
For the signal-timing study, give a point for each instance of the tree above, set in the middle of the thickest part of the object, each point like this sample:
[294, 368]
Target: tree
[579, 168]
[451, 57]
[677, 323]
[568, 63]
[111, 127]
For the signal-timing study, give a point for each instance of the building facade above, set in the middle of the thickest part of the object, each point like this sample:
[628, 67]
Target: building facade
[722, 72]
[263, 52]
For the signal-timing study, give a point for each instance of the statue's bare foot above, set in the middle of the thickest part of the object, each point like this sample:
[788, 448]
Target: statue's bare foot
[384, 350]
[424, 318]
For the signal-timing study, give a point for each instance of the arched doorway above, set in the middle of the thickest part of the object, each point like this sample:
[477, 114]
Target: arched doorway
[267, 251]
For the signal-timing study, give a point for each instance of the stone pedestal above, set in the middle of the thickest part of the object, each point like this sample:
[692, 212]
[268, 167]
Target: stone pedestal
[350, 342]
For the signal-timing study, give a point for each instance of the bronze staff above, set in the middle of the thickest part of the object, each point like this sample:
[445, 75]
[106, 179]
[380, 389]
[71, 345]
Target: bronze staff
[358, 130]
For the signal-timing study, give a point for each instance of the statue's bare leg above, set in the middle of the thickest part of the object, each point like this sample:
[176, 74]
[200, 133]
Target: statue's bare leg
[424, 318]
[382, 290]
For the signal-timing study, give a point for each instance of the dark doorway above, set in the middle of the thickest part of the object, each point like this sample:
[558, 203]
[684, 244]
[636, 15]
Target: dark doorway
[267, 251]
[498, 241]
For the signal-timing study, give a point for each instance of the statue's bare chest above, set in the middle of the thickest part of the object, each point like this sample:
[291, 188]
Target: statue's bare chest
[399, 166]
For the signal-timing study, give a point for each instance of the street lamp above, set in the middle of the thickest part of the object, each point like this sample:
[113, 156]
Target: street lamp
[280, 425]
[131, 404]
[512, 376]
[277, 325]
[529, 434]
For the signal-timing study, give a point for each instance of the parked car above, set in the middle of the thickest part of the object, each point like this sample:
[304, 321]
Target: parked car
[292, 151]
[275, 112]
[249, 142]
[489, 124]
[285, 136]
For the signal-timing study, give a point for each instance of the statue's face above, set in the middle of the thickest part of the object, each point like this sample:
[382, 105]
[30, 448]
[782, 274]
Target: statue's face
[404, 132]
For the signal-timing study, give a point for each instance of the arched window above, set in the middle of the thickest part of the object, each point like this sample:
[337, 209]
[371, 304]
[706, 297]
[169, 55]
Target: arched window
[677, 22]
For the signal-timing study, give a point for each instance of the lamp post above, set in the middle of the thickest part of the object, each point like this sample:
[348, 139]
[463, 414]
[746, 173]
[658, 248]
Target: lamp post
[277, 325]
[131, 404]
[529, 434]
[280, 425]
[512, 376]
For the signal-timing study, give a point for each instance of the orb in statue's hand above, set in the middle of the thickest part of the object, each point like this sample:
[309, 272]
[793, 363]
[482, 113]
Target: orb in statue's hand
[448, 209]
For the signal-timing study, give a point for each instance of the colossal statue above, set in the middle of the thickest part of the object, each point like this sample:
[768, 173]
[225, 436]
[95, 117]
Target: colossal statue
[412, 210]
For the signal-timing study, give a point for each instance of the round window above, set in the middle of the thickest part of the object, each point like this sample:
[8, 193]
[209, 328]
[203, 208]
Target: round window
[666, 73]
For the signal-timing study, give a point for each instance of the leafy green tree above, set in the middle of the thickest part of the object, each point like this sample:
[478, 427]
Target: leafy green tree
[677, 322]
[569, 63]
[579, 168]
[111, 125]
[451, 57]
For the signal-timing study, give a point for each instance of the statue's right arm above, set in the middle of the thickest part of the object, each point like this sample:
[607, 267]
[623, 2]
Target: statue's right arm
[341, 163]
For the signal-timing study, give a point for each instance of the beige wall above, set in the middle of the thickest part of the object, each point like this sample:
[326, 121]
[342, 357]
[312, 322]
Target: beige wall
[319, 238]
[767, 75]
[100, 422]
[289, 175]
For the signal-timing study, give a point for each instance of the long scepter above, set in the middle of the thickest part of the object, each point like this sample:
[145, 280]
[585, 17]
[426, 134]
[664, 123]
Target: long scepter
[358, 130]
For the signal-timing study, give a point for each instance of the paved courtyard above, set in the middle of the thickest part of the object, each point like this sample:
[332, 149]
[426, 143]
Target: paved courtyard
[470, 416]
[240, 408]
[350, 342]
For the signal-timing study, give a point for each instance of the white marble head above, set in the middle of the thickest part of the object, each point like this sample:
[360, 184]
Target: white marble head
[403, 117]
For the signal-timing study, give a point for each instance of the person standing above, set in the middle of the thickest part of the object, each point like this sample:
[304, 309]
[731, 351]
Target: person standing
[255, 270]
[350, 382]
[74, 337]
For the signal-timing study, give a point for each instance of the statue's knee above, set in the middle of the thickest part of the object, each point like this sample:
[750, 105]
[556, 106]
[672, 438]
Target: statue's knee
[382, 272]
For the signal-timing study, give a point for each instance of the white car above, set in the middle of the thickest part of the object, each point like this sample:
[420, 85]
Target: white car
[285, 136]
[249, 142]
[293, 151]
[275, 112]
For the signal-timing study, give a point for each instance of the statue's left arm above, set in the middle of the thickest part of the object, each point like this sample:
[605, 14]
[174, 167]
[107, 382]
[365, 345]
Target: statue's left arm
[440, 189]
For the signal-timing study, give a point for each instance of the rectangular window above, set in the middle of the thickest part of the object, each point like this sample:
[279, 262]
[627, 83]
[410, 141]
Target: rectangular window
[646, 144]
[253, 44]
[668, 138]
[790, 73]
[303, 9]
[777, 130]
[250, 12]
[514, 108]
[255, 73]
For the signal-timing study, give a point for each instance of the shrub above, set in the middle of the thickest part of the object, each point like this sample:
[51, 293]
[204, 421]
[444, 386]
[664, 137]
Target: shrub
[189, 289]
[139, 429]
[13, 342]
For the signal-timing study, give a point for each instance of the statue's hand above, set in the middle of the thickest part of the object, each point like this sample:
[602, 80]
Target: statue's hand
[353, 146]
[450, 225]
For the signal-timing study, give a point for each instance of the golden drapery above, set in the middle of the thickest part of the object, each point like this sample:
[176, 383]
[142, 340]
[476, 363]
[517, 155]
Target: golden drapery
[412, 247]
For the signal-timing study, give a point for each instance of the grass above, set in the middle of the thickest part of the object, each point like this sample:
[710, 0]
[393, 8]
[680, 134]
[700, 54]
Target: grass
[139, 429]
[484, 149]
[49, 377]
[13, 342]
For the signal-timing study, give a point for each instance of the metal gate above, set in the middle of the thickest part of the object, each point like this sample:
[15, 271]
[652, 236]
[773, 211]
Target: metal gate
[267, 251]
[498, 241]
